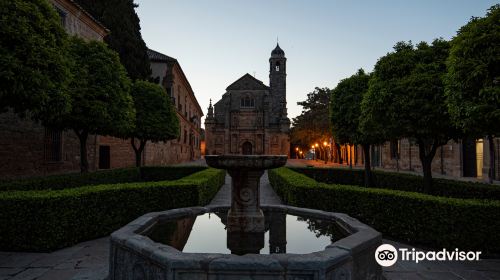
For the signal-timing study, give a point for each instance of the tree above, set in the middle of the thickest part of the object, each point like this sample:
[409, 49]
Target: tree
[406, 99]
[33, 64]
[312, 125]
[120, 18]
[156, 119]
[473, 79]
[100, 95]
[345, 117]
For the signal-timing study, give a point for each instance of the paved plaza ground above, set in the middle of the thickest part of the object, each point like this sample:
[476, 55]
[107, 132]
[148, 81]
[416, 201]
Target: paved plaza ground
[89, 260]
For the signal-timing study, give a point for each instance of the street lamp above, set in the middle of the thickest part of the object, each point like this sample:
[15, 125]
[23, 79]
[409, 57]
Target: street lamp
[317, 145]
[296, 152]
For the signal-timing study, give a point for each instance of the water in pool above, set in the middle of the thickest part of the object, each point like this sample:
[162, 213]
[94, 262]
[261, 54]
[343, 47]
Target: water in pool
[284, 233]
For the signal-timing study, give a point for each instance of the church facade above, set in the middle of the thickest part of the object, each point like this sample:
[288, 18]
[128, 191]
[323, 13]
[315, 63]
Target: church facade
[251, 117]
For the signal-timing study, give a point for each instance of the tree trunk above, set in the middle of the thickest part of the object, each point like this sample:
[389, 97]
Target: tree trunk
[427, 170]
[84, 163]
[426, 154]
[492, 175]
[138, 151]
[368, 168]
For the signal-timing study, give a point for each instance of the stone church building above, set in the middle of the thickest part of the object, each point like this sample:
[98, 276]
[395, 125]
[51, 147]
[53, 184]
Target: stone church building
[251, 117]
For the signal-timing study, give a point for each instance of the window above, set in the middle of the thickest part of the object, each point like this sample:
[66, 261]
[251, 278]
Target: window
[247, 102]
[277, 67]
[53, 145]
[185, 106]
[394, 147]
[104, 157]
[179, 105]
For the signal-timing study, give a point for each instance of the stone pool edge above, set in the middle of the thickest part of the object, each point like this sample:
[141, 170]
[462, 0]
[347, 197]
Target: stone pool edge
[352, 257]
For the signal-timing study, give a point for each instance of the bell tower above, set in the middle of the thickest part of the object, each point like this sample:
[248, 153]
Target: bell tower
[277, 72]
[277, 84]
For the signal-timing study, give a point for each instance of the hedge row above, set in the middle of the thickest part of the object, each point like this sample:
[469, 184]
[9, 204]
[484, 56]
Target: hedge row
[51, 219]
[433, 221]
[403, 182]
[126, 175]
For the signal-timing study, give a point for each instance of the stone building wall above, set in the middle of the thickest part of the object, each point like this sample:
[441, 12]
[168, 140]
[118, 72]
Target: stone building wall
[445, 162]
[25, 150]
[78, 22]
[449, 160]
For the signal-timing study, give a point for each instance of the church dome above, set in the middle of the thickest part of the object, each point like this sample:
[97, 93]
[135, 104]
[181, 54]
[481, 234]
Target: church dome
[277, 51]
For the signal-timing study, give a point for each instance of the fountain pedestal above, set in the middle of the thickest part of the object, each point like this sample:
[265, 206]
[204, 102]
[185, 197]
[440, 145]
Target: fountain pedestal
[245, 214]
[245, 220]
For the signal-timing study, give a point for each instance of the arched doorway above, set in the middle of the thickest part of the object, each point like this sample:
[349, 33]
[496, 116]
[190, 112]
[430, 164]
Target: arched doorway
[247, 148]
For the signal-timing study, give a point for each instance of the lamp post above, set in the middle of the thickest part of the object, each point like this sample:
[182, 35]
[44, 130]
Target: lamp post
[317, 145]
[296, 152]
[326, 152]
[314, 152]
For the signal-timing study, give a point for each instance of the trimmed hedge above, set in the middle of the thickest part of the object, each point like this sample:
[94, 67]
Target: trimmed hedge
[126, 175]
[161, 173]
[433, 221]
[50, 219]
[403, 182]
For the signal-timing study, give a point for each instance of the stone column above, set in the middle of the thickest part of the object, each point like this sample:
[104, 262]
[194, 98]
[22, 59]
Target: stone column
[245, 214]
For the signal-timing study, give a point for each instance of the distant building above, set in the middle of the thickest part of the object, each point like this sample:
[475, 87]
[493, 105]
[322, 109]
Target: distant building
[29, 149]
[168, 72]
[251, 117]
[468, 158]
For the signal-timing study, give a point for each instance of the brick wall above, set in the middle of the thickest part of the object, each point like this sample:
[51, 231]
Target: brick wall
[23, 150]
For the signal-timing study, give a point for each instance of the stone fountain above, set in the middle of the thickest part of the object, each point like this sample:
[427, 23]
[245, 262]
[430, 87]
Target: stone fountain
[245, 219]
[136, 253]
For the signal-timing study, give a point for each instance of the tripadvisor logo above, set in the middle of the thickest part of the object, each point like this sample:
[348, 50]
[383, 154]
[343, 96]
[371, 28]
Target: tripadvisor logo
[387, 255]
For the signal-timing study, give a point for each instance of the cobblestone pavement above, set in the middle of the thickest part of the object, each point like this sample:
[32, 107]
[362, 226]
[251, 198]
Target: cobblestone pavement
[89, 260]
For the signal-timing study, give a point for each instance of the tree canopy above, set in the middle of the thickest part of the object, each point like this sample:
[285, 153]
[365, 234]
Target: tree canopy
[100, 94]
[345, 116]
[312, 125]
[120, 18]
[34, 71]
[406, 98]
[473, 79]
[345, 110]
[156, 118]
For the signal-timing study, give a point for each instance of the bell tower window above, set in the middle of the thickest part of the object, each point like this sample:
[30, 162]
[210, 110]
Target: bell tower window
[277, 67]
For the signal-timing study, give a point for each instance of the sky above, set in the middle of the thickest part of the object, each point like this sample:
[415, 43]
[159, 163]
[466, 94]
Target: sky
[218, 41]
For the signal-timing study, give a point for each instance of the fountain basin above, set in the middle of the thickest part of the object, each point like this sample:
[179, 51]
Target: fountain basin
[135, 256]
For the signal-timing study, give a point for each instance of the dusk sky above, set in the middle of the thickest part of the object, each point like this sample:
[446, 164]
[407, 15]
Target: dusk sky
[216, 42]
